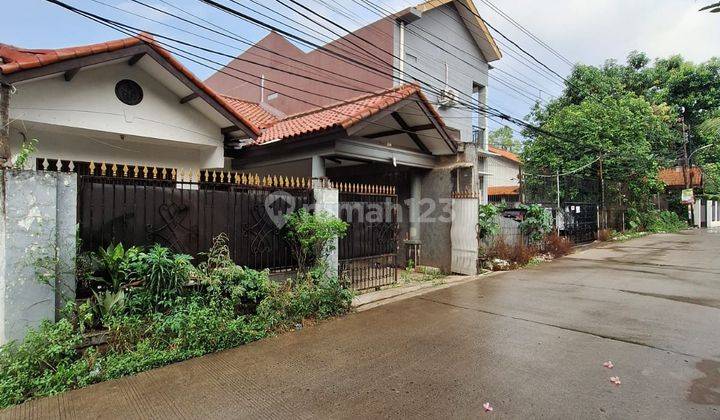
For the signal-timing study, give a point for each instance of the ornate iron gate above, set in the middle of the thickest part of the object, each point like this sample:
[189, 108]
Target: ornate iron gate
[368, 252]
[186, 210]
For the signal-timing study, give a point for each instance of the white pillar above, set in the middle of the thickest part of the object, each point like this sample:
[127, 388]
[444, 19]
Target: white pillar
[327, 200]
[415, 197]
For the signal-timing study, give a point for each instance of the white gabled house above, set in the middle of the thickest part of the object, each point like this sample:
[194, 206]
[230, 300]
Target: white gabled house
[126, 101]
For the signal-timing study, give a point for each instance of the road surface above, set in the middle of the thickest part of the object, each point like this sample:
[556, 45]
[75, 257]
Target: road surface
[530, 342]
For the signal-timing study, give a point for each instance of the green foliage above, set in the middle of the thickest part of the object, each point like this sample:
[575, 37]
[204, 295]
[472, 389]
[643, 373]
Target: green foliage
[162, 273]
[655, 221]
[503, 138]
[536, 223]
[114, 262]
[487, 219]
[159, 318]
[711, 176]
[311, 236]
[629, 113]
[108, 303]
[27, 148]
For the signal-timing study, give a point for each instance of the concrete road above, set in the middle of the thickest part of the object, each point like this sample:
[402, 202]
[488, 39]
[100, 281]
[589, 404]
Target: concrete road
[531, 342]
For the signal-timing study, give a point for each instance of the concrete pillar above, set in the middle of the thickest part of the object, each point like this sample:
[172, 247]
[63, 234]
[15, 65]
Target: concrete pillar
[318, 167]
[37, 248]
[414, 210]
[328, 200]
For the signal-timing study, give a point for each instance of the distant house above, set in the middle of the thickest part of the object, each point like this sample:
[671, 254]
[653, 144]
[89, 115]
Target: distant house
[125, 101]
[674, 178]
[504, 181]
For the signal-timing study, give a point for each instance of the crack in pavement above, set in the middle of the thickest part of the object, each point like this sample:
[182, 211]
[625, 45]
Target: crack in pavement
[598, 335]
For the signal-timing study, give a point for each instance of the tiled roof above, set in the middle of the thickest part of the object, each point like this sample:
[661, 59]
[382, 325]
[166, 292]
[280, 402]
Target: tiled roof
[16, 59]
[504, 190]
[344, 114]
[674, 177]
[504, 153]
[258, 114]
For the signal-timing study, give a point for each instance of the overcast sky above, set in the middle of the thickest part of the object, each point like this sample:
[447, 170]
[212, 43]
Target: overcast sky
[581, 30]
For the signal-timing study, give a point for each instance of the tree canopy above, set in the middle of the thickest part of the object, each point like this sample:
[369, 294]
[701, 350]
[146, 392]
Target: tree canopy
[626, 116]
[503, 138]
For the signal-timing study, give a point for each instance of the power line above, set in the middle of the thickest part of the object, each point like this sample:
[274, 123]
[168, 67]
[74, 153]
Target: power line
[527, 32]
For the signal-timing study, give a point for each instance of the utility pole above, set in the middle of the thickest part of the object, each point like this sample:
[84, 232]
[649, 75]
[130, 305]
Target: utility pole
[603, 213]
[687, 177]
[5, 92]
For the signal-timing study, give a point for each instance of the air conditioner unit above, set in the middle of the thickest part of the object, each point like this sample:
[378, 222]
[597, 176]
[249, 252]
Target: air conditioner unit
[448, 98]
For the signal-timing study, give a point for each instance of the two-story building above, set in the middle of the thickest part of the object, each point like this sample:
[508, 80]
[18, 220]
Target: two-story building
[397, 102]
[504, 181]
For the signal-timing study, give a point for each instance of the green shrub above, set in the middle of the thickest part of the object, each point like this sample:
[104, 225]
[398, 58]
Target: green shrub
[161, 273]
[487, 220]
[536, 223]
[311, 235]
[664, 221]
[160, 318]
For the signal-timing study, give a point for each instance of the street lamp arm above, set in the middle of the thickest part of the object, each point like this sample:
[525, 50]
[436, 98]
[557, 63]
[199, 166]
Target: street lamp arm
[699, 149]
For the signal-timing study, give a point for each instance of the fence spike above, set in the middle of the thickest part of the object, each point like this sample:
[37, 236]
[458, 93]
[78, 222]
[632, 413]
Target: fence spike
[113, 169]
[125, 170]
[173, 174]
[103, 168]
[154, 172]
[92, 168]
[163, 173]
[145, 171]
[181, 174]
[71, 166]
[135, 171]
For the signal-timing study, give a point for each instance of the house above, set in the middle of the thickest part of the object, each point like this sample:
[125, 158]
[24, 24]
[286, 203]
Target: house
[373, 119]
[407, 47]
[675, 180]
[126, 101]
[504, 182]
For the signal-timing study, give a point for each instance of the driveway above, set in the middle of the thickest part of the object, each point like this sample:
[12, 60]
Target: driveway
[530, 342]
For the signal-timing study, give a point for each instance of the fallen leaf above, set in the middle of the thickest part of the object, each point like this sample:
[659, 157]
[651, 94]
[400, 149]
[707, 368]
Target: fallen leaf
[609, 364]
[487, 407]
[615, 380]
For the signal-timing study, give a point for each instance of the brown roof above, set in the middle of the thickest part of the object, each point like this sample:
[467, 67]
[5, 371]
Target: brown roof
[504, 190]
[258, 114]
[674, 177]
[504, 153]
[16, 59]
[341, 115]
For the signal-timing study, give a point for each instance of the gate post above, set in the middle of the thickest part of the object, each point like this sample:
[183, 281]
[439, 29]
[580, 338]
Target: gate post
[37, 248]
[327, 199]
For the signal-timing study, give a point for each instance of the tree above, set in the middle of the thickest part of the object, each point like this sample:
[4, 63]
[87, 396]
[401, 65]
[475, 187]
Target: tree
[503, 138]
[620, 131]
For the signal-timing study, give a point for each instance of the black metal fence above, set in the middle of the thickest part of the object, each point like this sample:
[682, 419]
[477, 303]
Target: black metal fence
[186, 210]
[368, 252]
[579, 222]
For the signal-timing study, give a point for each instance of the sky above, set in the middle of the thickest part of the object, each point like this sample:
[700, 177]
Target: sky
[582, 31]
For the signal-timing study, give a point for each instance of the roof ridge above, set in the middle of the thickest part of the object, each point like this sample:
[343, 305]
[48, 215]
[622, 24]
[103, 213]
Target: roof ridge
[351, 101]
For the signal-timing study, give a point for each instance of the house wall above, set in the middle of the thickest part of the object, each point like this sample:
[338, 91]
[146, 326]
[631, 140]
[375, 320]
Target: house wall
[83, 120]
[298, 92]
[504, 172]
[465, 61]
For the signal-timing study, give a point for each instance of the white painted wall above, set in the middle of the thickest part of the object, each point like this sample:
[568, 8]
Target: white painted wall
[83, 120]
[504, 172]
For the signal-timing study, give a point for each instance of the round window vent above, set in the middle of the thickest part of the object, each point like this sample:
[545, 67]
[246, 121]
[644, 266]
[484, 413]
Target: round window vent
[129, 92]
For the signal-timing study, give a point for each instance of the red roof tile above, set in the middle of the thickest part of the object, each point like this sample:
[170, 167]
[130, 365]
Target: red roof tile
[674, 177]
[504, 153]
[258, 114]
[344, 114]
[504, 190]
[15, 59]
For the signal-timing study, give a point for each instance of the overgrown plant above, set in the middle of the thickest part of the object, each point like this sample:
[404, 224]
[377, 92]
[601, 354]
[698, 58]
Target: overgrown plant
[27, 148]
[536, 223]
[311, 236]
[161, 273]
[487, 220]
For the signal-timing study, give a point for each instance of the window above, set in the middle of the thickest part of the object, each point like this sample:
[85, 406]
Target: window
[128, 92]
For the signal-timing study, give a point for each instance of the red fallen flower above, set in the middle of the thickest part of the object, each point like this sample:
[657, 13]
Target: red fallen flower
[487, 407]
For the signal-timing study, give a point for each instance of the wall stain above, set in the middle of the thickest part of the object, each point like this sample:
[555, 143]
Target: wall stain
[706, 390]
